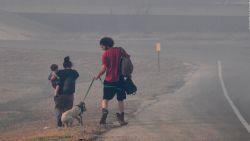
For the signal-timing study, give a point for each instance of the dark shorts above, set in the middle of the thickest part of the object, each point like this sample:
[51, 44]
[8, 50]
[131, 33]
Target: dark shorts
[64, 102]
[113, 88]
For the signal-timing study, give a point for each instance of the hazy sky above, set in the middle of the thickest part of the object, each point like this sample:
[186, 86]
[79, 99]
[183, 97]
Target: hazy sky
[119, 2]
[87, 15]
[157, 7]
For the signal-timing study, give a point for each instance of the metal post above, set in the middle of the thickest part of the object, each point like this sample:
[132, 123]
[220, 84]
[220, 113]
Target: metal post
[159, 68]
[158, 49]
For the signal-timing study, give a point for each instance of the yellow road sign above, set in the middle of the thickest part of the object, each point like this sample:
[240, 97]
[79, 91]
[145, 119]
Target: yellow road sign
[158, 46]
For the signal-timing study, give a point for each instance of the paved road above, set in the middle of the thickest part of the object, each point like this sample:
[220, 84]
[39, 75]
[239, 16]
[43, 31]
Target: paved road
[199, 110]
[212, 106]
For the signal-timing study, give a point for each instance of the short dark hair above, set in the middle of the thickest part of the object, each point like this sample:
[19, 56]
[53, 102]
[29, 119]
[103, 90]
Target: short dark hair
[54, 67]
[67, 63]
[107, 42]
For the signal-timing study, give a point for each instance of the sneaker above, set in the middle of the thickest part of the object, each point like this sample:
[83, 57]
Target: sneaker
[120, 118]
[103, 126]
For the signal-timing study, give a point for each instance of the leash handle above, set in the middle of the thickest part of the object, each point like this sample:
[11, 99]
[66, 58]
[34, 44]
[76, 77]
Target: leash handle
[101, 80]
[89, 89]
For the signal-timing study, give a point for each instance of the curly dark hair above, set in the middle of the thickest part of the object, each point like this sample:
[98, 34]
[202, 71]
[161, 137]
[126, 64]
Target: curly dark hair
[67, 63]
[107, 42]
[54, 67]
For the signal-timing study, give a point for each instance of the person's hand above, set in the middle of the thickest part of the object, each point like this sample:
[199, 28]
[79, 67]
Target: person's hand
[97, 77]
[55, 93]
[53, 77]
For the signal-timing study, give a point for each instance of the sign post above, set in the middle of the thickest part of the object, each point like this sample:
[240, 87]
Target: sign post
[158, 49]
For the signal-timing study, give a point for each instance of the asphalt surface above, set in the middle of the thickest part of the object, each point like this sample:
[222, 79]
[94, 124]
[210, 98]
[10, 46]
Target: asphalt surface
[213, 105]
[199, 111]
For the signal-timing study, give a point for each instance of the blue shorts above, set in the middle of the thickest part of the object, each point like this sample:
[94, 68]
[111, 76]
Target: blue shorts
[111, 89]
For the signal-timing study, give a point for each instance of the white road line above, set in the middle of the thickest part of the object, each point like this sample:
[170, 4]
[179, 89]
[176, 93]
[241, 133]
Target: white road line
[236, 111]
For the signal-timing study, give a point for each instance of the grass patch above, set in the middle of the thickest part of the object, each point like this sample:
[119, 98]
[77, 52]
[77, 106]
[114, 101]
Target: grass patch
[51, 138]
[87, 133]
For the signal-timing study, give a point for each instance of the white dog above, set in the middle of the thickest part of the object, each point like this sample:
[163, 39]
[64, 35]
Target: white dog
[74, 113]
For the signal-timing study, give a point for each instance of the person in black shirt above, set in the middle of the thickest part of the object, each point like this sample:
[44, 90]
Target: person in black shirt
[65, 97]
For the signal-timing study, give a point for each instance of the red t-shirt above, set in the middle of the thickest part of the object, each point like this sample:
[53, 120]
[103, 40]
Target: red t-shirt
[111, 59]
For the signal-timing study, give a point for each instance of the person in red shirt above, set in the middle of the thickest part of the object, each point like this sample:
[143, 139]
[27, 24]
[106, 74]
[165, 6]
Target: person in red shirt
[113, 80]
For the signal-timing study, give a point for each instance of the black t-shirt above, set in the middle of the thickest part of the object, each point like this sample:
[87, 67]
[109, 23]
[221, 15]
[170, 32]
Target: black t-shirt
[67, 81]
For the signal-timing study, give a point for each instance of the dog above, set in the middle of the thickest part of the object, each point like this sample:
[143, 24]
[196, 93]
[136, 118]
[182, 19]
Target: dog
[74, 113]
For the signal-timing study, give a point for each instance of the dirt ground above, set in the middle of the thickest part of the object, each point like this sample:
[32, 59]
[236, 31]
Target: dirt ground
[26, 100]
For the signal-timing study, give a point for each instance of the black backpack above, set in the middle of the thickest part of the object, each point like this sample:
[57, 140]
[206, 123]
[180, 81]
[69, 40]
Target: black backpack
[126, 66]
[129, 86]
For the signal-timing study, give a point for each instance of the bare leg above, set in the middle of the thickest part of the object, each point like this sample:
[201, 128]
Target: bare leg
[120, 116]
[58, 116]
[105, 104]
[104, 112]
[121, 106]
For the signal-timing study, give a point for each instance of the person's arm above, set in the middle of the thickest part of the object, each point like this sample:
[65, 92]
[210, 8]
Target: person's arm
[101, 72]
[76, 74]
[56, 90]
[53, 76]
[105, 62]
[49, 78]
[57, 77]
